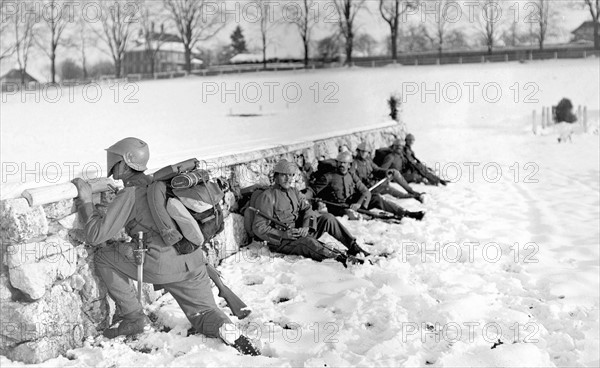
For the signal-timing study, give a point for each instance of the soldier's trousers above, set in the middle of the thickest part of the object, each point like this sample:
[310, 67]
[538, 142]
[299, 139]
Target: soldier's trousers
[192, 291]
[310, 247]
[385, 188]
[377, 201]
[398, 178]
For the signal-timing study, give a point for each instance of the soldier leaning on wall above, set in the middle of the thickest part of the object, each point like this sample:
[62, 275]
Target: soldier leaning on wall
[183, 275]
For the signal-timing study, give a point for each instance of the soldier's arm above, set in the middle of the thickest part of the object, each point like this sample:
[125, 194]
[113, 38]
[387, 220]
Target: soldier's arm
[387, 162]
[306, 211]
[99, 227]
[365, 197]
[261, 226]
[321, 183]
[378, 170]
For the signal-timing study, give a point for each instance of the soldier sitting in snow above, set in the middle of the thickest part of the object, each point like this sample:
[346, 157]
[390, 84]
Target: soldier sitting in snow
[343, 190]
[402, 158]
[370, 173]
[299, 226]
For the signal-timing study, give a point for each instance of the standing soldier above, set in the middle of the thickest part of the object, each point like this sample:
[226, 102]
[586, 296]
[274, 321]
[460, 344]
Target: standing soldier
[415, 168]
[345, 188]
[290, 208]
[370, 173]
[183, 275]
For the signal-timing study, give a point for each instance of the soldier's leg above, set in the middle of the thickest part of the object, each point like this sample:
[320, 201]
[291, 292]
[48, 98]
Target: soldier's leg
[388, 189]
[377, 201]
[307, 247]
[398, 178]
[116, 270]
[195, 298]
[327, 223]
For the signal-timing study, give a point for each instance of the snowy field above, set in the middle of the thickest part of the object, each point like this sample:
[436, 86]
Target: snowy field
[503, 270]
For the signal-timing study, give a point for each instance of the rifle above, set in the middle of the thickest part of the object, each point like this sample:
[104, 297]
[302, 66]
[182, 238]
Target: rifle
[237, 306]
[381, 216]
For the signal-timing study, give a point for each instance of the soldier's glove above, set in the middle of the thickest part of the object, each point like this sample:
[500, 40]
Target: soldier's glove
[302, 232]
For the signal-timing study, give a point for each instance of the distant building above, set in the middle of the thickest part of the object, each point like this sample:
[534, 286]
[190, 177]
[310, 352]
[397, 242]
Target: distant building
[169, 58]
[585, 32]
[13, 78]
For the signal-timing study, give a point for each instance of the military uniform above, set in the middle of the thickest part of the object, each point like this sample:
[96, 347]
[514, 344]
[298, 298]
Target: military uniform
[291, 207]
[348, 189]
[184, 276]
[370, 173]
[415, 171]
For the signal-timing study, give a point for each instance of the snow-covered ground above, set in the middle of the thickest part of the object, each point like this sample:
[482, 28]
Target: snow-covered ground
[503, 270]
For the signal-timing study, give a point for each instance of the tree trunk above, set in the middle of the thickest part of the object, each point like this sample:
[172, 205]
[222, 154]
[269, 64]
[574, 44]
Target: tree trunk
[596, 35]
[53, 67]
[306, 52]
[394, 40]
[117, 68]
[188, 58]
[349, 44]
[22, 72]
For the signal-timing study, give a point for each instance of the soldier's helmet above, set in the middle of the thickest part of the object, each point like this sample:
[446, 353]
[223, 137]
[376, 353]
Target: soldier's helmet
[362, 146]
[398, 142]
[344, 157]
[410, 136]
[133, 151]
[285, 167]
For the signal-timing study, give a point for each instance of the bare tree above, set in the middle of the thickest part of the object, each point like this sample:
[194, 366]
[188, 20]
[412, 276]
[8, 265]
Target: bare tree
[438, 29]
[365, 44]
[55, 16]
[23, 28]
[595, 11]
[347, 10]
[194, 23]
[488, 19]
[305, 24]
[117, 19]
[7, 44]
[266, 17]
[391, 11]
[152, 40]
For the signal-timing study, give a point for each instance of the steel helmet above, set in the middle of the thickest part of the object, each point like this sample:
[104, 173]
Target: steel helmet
[344, 157]
[409, 136]
[398, 142]
[285, 167]
[133, 151]
[362, 146]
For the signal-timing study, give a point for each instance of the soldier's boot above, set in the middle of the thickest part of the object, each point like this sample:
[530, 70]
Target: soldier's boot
[418, 215]
[132, 324]
[232, 336]
[354, 249]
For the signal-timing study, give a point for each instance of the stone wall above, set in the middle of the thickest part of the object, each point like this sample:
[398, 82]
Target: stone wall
[50, 296]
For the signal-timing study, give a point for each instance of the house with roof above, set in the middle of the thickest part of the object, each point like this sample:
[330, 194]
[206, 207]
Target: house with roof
[170, 56]
[12, 80]
[585, 32]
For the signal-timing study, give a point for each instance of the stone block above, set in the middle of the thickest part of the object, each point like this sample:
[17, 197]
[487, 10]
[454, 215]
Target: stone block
[232, 238]
[38, 331]
[34, 267]
[60, 209]
[19, 222]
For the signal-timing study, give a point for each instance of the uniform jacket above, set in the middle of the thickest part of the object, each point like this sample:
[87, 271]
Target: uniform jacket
[367, 170]
[393, 160]
[288, 206]
[130, 209]
[338, 188]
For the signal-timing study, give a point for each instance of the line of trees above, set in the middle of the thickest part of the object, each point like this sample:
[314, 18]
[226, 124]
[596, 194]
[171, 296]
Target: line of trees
[55, 26]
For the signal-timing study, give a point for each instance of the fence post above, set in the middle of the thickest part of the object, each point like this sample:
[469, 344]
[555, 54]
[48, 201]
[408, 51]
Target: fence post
[460, 60]
[584, 54]
[555, 55]
[530, 55]
[506, 57]
[585, 120]
[416, 61]
[543, 117]
[372, 63]
[534, 122]
[482, 59]
[437, 61]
